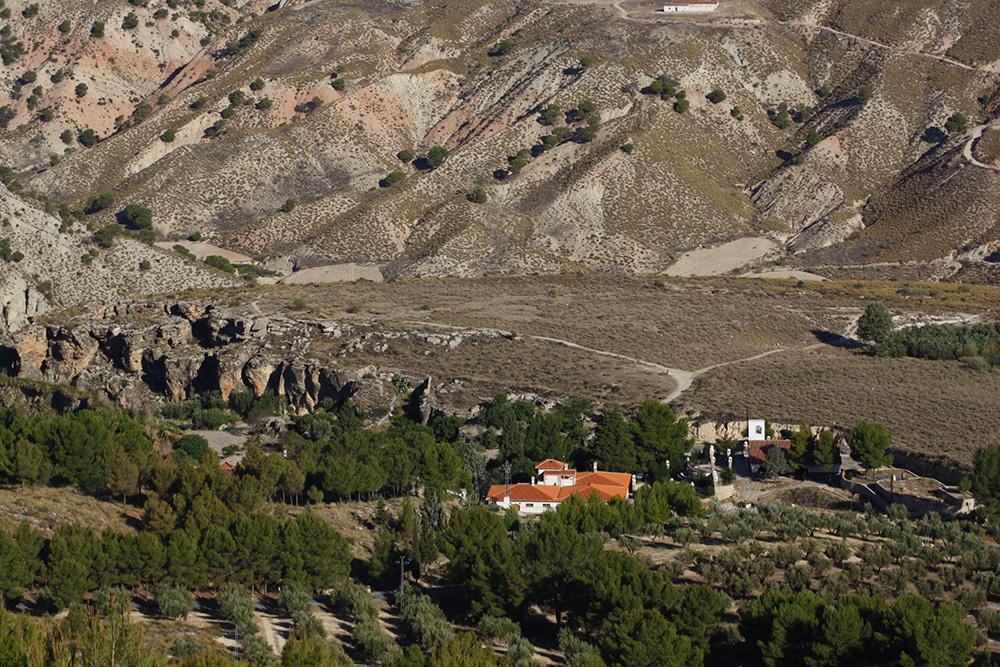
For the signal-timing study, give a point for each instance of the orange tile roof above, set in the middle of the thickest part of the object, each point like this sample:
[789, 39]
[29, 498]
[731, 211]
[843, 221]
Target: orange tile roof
[606, 485]
[524, 491]
[551, 464]
[604, 477]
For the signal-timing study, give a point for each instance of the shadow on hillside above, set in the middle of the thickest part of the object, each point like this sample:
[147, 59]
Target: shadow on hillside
[836, 340]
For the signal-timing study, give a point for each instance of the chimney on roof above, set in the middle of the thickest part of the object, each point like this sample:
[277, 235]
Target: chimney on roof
[595, 466]
[532, 480]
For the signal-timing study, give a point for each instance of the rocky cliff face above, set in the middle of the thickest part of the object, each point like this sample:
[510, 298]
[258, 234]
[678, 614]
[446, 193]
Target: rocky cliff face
[144, 354]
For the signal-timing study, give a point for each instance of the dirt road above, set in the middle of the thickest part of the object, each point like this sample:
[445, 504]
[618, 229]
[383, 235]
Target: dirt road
[970, 145]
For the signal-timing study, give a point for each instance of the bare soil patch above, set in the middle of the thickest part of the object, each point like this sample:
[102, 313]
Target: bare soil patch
[47, 508]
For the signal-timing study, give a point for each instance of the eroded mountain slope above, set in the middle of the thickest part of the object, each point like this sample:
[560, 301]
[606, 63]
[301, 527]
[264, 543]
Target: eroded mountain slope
[313, 101]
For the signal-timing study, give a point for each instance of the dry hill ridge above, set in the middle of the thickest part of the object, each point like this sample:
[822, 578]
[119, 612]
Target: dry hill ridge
[846, 139]
[45, 264]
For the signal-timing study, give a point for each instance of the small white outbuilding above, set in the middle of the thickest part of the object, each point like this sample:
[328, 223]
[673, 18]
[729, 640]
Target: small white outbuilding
[689, 7]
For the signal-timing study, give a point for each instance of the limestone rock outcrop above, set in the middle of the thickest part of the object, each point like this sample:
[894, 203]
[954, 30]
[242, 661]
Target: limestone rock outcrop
[145, 353]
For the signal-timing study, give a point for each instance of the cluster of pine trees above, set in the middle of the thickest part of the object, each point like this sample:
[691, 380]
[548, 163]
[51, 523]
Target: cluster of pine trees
[944, 342]
[255, 550]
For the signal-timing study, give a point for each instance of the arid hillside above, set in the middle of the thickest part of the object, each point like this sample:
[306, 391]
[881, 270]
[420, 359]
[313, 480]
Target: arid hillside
[47, 263]
[714, 348]
[845, 139]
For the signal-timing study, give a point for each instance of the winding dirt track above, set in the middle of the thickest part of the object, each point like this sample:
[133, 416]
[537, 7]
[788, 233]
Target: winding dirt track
[761, 19]
[682, 377]
[975, 136]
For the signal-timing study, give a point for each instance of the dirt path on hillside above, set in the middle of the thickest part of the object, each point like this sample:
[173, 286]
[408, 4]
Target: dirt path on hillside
[970, 145]
[880, 45]
[682, 377]
[728, 15]
[273, 628]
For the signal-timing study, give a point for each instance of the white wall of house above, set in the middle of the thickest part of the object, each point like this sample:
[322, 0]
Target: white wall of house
[558, 478]
[536, 507]
[694, 8]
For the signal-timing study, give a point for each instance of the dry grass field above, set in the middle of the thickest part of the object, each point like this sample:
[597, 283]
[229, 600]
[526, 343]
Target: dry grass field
[679, 323]
[939, 410]
[942, 410]
[47, 508]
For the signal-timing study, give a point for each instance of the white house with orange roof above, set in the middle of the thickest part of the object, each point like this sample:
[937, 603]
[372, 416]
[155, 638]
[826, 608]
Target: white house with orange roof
[555, 482]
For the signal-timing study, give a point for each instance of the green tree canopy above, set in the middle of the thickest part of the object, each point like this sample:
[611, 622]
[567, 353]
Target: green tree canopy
[870, 442]
[875, 324]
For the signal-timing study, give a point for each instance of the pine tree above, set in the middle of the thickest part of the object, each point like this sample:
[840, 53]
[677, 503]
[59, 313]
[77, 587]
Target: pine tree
[875, 324]
[613, 445]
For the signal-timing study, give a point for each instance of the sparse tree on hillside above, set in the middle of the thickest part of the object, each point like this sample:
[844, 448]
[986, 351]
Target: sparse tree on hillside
[136, 217]
[957, 123]
[875, 324]
[717, 96]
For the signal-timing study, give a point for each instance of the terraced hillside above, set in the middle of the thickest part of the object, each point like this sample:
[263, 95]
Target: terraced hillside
[810, 127]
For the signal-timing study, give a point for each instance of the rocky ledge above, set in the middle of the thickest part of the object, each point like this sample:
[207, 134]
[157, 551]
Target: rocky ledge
[143, 354]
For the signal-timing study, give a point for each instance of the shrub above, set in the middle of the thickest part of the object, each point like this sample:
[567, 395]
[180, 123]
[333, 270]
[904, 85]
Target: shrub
[174, 603]
[168, 136]
[391, 179]
[145, 265]
[814, 138]
[957, 123]
[257, 84]
[405, 156]
[88, 138]
[99, 203]
[6, 115]
[288, 206]
[8, 254]
[105, 236]
[628, 148]
[780, 117]
[478, 195]
[503, 48]
[220, 263]
[136, 217]
[717, 96]
[97, 29]
[130, 22]
[81, 90]
[681, 105]
[65, 26]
